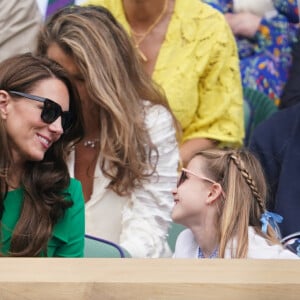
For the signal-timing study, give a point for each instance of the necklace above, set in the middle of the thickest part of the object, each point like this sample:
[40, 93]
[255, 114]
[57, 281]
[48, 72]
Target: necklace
[91, 143]
[146, 33]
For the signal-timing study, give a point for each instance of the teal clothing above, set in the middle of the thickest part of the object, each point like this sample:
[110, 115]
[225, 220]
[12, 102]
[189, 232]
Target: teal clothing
[68, 233]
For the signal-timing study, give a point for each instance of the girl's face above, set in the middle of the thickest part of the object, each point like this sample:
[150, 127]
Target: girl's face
[29, 136]
[192, 195]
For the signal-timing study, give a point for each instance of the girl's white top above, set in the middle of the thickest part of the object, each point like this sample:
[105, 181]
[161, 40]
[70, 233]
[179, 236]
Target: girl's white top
[187, 247]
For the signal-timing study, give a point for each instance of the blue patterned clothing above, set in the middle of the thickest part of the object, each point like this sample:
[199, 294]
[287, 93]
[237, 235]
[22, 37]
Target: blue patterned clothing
[265, 59]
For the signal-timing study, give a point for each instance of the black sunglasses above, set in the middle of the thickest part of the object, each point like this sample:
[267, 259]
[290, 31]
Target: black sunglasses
[51, 110]
[183, 177]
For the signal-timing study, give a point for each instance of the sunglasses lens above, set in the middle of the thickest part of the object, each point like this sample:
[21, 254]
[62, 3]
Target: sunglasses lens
[66, 120]
[51, 111]
[182, 178]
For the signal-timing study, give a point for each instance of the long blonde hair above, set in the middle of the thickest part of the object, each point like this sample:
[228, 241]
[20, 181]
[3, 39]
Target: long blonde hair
[243, 182]
[117, 83]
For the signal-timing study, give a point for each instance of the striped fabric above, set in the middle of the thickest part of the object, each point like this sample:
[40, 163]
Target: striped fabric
[54, 5]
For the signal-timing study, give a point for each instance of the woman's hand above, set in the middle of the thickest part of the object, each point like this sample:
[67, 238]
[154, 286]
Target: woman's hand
[243, 24]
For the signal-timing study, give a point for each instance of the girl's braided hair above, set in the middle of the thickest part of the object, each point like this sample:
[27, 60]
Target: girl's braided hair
[243, 182]
[251, 183]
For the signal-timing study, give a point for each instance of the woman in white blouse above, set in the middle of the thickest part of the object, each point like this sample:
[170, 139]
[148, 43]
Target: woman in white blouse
[128, 160]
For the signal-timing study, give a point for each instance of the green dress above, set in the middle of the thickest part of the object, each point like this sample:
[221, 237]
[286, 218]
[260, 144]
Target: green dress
[68, 233]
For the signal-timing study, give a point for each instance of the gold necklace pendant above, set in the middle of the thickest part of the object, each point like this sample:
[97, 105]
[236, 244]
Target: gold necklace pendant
[147, 32]
[141, 54]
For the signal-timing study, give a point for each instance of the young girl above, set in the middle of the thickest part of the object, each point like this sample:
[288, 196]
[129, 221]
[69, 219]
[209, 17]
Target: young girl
[220, 198]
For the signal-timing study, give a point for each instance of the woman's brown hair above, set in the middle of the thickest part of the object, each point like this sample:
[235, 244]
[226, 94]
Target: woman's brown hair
[43, 181]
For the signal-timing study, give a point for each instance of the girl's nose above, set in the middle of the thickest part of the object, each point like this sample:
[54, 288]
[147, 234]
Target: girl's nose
[174, 191]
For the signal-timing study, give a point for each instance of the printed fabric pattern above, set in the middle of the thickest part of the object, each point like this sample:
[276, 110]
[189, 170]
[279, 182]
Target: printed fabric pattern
[265, 60]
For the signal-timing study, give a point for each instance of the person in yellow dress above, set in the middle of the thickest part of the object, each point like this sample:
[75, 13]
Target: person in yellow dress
[189, 50]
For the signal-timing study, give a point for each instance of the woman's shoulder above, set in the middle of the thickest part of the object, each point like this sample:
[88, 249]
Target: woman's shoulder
[288, 115]
[75, 192]
[201, 24]
[281, 124]
[74, 185]
[186, 245]
[184, 239]
[194, 7]
[115, 7]
[161, 126]
[185, 234]
[195, 12]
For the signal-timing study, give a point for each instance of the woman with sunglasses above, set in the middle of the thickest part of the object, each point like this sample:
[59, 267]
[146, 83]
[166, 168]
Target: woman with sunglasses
[128, 159]
[220, 198]
[41, 208]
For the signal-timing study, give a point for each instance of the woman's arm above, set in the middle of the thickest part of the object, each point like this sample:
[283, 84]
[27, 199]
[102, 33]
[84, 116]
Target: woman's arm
[218, 119]
[291, 91]
[191, 147]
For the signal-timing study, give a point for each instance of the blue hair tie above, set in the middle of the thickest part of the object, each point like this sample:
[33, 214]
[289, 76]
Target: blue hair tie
[272, 219]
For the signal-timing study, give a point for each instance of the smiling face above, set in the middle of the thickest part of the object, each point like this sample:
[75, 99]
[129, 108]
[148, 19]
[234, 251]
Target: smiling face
[194, 196]
[29, 136]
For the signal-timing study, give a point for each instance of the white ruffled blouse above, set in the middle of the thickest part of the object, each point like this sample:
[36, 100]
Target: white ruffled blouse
[138, 223]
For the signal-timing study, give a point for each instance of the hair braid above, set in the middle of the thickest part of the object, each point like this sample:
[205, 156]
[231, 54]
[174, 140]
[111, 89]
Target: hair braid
[251, 183]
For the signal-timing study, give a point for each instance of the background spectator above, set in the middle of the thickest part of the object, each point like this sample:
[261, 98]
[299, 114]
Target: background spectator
[265, 32]
[189, 50]
[19, 25]
[291, 91]
[276, 143]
